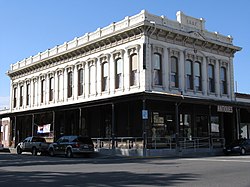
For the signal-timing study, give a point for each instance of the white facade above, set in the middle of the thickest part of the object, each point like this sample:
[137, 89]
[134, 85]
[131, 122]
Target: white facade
[142, 53]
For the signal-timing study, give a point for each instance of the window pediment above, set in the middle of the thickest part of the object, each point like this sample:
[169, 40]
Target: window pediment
[80, 65]
[157, 49]
[118, 54]
[133, 49]
[104, 58]
[69, 68]
[174, 53]
[91, 62]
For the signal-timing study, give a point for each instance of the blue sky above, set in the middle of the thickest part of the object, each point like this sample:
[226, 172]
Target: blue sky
[28, 27]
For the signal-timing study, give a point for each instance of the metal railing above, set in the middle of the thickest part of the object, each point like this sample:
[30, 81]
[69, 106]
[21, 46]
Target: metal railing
[160, 143]
[120, 142]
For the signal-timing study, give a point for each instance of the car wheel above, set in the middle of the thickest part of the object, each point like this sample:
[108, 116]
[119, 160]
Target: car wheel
[243, 151]
[69, 153]
[51, 152]
[18, 150]
[34, 151]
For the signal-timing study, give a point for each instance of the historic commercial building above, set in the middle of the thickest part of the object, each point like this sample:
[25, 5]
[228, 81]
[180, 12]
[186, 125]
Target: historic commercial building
[143, 83]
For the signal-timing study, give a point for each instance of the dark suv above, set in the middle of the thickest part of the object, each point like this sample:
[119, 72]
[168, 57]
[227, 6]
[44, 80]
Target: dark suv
[71, 145]
[241, 146]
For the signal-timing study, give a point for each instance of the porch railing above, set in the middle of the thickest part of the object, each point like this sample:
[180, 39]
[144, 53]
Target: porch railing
[159, 143]
[120, 142]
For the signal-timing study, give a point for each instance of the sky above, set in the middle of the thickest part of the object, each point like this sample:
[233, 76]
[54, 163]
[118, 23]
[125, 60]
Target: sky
[28, 27]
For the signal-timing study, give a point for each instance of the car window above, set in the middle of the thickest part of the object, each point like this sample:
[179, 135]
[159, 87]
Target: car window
[60, 140]
[26, 139]
[65, 140]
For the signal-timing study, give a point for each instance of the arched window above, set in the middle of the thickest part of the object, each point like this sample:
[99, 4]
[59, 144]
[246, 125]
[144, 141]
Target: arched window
[157, 69]
[211, 80]
[80, 82]
[21, 96]
[197, 76]
[70, 84]
[223, 80]
[42, 90]
[28, 94]
[174, 72]
[92, 79]
[105, 76]
[51, 88]
[189, 74]
[15, 97]
[118, 73]
[133, 69]
[60, 86]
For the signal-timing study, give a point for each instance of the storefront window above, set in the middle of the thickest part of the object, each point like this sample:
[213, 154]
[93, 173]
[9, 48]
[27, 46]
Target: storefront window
[201, 126]
[244, 130]
[163, 128]
[185, 126]
[215, 126]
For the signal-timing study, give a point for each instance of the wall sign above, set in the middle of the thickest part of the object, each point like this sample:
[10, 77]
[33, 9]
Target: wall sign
[226, 109]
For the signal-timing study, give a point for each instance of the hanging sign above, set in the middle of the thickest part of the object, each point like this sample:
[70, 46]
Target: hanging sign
[144, 114]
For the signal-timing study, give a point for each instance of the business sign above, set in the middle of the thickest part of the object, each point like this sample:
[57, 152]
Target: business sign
[226, 109]
[43, 128]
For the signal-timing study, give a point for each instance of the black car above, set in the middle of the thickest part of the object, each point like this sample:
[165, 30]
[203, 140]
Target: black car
[71, 145]
[241, 146]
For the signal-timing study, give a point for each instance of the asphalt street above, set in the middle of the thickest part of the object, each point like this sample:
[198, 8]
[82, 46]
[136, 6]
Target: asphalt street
[27, 170]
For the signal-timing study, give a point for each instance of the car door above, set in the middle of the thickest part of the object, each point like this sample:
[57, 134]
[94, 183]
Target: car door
[25, 144]
[56, 145]
[29, 144]
[64, 144]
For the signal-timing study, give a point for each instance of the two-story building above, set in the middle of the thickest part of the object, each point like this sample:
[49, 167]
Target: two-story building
[145, 82]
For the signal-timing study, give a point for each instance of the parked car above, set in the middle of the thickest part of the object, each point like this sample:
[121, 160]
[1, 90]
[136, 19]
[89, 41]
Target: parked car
[241, 146]
[71, 145]
[33, 144]
[1, 146]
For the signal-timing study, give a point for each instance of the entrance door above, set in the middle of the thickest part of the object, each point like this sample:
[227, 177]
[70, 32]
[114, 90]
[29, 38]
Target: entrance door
[201, 129]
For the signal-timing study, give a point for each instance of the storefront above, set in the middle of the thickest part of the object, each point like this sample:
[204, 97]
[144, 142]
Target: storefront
[171, 121]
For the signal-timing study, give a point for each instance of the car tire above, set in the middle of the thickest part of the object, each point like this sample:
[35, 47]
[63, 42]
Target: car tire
[69, 153]
[242, 151]
[51, 152]
[34, 151]
[18, 150]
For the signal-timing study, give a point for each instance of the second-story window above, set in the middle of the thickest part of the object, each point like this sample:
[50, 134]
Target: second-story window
[104, 76]
[197, 76]
[211, 81]
[189, 74]
[15, 97]
[118, 73]
[223, 80]
[133, 69]
[60, 86]
[174, 72]
[80, 82]
[34, 91]
[21, 95]
[157, 69]
[70, 84]
[42, 90]
[28, 94]
[92, 79]
[51, 88]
